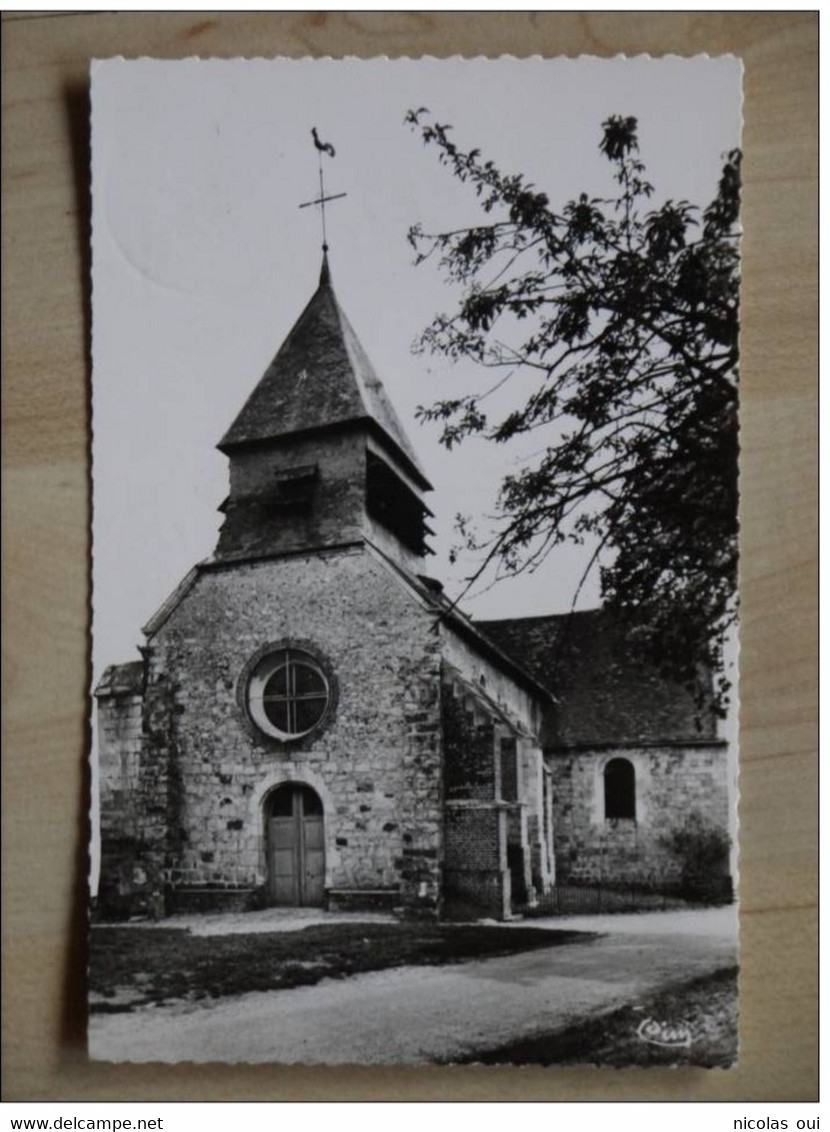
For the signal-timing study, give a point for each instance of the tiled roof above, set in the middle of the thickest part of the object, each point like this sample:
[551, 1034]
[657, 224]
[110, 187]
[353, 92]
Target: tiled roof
[320, 377]
[604, 696]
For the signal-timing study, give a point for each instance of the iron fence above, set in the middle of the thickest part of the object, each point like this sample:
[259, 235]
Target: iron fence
[590, 899]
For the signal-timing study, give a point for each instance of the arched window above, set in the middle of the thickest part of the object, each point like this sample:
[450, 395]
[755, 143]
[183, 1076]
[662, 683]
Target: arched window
[288, 693]
[291, 797]
[620, 800]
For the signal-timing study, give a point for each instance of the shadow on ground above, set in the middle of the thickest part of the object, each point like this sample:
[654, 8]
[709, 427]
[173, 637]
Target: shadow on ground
[131, 966]
[691, 1023]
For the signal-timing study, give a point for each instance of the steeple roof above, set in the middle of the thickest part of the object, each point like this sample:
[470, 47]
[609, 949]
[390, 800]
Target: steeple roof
[320, 378]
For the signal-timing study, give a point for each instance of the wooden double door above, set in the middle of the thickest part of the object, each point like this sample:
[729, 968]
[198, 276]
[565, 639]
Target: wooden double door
[295, 846]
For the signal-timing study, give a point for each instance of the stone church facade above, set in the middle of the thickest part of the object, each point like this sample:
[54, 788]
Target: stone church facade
[313, 722]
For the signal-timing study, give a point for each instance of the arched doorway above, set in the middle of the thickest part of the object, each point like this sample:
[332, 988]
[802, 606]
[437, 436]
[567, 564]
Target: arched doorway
[295, 845]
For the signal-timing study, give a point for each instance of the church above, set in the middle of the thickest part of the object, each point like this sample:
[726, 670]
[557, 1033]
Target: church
[314, 722]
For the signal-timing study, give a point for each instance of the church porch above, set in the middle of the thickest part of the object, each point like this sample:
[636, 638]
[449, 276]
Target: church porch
[498, 853]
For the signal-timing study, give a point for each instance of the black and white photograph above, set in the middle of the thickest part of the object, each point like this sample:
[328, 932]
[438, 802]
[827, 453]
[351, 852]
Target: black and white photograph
[414, 703]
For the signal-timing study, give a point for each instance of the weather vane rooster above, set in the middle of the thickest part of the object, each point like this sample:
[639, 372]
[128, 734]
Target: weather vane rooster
[321, 201]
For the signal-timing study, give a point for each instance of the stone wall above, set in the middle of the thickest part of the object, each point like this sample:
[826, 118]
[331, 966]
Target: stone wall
[374, 760]
[332, 515]
[334, 512]
[671, 784]
[119, 747]
[119, 750]
[536, 796]
[131, 880]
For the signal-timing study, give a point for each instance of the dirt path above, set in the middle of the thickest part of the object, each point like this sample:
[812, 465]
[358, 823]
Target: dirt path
[411, 1015]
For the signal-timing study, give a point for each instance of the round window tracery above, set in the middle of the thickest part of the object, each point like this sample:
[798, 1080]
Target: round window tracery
[288, 694]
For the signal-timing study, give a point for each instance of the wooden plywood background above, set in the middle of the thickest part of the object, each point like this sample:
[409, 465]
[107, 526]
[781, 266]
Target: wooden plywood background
[46, 543]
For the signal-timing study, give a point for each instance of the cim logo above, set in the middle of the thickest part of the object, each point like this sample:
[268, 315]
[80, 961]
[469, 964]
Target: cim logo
[673, 1035]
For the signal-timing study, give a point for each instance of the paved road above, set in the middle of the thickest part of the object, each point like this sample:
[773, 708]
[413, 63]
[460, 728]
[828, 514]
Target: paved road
[687, 921]
[417, 1014]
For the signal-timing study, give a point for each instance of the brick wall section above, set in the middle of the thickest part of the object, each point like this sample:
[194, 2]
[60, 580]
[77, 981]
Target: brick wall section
[477, 875]
[470, 756]
[671, 783]
[374, 760]
[476, 870]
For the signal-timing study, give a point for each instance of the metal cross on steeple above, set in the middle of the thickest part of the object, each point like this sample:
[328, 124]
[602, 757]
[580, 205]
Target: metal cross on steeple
[322, 200]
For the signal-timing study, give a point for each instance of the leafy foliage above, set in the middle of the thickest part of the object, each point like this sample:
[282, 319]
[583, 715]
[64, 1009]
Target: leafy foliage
[627, 313]
[703, 851]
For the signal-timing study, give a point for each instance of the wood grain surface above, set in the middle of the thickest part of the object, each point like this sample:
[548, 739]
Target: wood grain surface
[46, 510]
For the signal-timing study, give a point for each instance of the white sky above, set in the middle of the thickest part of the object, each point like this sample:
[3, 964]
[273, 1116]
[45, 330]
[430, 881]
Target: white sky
[202, 261]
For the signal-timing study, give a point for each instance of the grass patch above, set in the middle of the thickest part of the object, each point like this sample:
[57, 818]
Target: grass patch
[707, 1007]
[130, 967]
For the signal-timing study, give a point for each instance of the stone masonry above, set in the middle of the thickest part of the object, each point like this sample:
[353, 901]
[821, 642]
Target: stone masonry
[451, 767]
[672, 783]
[125, 883]
[396, 833]
[373, 762]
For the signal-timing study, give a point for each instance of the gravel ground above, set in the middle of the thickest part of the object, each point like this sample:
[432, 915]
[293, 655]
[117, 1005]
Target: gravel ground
[266, 920]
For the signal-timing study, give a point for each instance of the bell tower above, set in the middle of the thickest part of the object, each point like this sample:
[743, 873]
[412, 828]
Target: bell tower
[318, 456]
